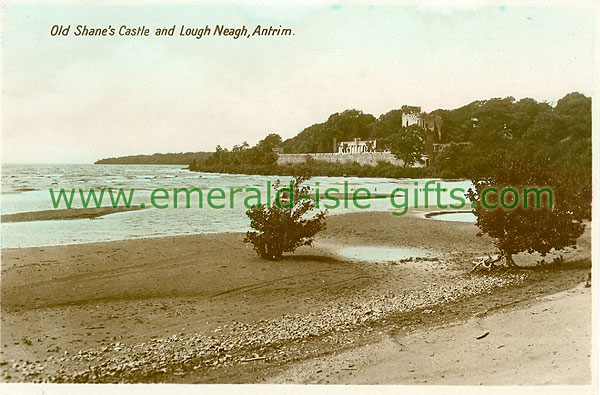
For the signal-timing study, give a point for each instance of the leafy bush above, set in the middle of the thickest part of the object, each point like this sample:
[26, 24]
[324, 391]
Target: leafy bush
[284, 226]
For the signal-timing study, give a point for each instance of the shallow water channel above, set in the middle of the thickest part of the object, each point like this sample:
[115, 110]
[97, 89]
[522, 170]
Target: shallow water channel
[455, 217]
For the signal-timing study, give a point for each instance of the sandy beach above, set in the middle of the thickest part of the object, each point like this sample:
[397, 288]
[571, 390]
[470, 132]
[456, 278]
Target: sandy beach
[487, 349]
[66, 214]
[204, 308]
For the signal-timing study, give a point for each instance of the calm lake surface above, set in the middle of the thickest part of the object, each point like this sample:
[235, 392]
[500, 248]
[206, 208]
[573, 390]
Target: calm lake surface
[455, 217]
[25, 188]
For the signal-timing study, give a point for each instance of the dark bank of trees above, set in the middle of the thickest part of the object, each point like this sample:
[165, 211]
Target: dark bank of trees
[343, 126]
[263, 154]
[475, 138]
[244, 159]
[262, 159]
[552, 151]
[485, 133]
[181, 158]
[497, 143]
[406, 143]
[351, 124]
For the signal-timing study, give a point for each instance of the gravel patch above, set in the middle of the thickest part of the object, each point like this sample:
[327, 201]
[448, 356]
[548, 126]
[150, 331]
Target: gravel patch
[225, 346]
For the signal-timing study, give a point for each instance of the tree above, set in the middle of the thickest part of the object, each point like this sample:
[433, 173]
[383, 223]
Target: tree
[538, 222]
[407, 144]
[264, 152]
[284, 226]
[455, 161]
[500, 130]
[346, 125]
[562, 136]
[387, 124]
[343, 126]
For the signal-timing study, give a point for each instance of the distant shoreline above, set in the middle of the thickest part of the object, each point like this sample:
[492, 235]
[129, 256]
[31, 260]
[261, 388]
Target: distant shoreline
[181, 158]
[66, 214]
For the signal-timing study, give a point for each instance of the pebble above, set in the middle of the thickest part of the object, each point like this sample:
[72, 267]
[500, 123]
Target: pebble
[185, 352]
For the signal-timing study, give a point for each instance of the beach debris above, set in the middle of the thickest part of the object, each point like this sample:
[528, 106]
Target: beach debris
[588, 282]
[487, 263]
[255, 357]
[482, 335]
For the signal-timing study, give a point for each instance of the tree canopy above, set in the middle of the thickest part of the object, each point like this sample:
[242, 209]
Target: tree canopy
[530, 206]
[343, 126]
[474, 139]
[499, 130]
[408, 144]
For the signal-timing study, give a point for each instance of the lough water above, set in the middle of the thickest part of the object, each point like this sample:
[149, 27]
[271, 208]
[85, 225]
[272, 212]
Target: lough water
[25, 188]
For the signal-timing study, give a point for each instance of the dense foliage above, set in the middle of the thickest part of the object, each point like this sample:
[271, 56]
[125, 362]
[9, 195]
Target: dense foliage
[475, 138]
[408, 144]
[262, 154]
[551, 217]
[285, 225]
[347, 126]
[524, 145]
[182, 158]
[343, 126]
[314, 167]
[485, 133]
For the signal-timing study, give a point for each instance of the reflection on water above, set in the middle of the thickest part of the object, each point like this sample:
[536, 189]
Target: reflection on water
[382, 254]
[455, 217]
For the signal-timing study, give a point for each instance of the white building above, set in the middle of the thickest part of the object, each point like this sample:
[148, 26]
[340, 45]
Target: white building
[426, 121]
[413, 118]
[356, 146]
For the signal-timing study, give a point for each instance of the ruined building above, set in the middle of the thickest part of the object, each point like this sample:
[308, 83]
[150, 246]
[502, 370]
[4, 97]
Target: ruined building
[411, 115]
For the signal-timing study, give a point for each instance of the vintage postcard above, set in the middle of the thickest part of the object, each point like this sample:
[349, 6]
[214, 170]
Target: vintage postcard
[328, 192]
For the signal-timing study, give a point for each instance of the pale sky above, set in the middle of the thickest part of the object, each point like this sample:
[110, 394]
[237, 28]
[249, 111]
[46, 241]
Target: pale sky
[77, 99]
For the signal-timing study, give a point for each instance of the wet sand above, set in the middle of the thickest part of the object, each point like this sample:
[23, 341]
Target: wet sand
[66, 214]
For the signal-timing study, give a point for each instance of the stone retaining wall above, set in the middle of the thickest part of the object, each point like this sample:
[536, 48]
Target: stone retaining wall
[370, 158]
